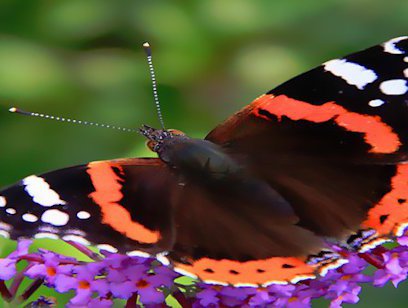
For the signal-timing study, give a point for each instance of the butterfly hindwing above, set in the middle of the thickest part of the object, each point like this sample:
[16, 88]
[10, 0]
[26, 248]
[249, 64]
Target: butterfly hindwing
[140, 205]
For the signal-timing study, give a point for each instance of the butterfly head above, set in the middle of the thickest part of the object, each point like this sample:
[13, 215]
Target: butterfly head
[157, 137]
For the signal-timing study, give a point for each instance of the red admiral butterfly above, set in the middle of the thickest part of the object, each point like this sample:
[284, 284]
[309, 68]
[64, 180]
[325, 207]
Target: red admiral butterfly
[320, 158]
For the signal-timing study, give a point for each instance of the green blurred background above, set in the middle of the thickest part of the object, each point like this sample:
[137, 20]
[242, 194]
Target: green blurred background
[83, 59]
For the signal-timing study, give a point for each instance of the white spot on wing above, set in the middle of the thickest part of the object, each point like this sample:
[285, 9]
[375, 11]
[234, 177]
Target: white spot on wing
[214, 282]
[77, 239]
[401, 229]
[4, 233]
[107, 247]
[406, 72]
[353, 73]
[376, 102]
[3, 201]
[185, 273]
[48, 229]
[302, 278]
[406, 59]
[29, 217]
[394, 87]
[55, 217]
[83, 215]
[161, 257]
[138, 253]
[325, 269]
[41, 192]
[4, 226]
[390, 47]
[280, 282]
[46, 235]
[243, 285]
[373, 243]
[11, 211]
[75, 232]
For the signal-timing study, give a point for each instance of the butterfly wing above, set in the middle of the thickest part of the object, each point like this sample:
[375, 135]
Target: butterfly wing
[232, 234]
[122, 205]
[332, 140]
[330, 159]
[139, 205]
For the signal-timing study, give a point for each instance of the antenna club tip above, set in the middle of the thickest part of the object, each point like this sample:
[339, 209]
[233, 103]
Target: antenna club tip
[147, 49]
[13, 109]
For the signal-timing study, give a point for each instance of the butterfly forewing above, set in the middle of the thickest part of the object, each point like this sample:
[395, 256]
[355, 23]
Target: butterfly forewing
[89, 204]
[330, 139]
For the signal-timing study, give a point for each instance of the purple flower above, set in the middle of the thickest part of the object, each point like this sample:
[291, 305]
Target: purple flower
[141, 280]
[231, 296]
[43, 301]
[207, 297]
[302, 297]
[343, 290]
[118, 276]
[50, 269]
[283, 295]
[8, 264]
[261, 298]
[100, 303]
[395, 267]
[84, 283]
[347, 295]
[403, 240]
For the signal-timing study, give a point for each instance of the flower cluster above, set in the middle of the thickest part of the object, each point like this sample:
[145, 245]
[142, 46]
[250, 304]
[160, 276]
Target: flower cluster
[144, 280]
[339, 286]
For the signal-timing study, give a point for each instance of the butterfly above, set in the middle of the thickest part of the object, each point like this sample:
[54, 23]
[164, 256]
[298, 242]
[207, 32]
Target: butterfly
[319, 159]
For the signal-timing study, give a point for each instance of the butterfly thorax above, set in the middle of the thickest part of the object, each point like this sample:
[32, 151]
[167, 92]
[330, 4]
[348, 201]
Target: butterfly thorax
[193, 158]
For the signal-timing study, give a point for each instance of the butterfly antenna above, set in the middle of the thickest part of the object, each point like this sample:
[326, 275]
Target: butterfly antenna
[148, 50]
[68, 120]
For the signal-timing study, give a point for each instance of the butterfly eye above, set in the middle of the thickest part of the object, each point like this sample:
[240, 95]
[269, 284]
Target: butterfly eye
[151, 145]
[176, 132]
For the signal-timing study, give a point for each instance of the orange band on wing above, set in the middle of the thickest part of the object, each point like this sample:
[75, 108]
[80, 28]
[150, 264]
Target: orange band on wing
[392, 210]
[257, 272]
[107, 195]
[377, 134]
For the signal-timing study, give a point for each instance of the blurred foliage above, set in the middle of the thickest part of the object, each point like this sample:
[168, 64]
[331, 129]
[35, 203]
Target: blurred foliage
[83, 59]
